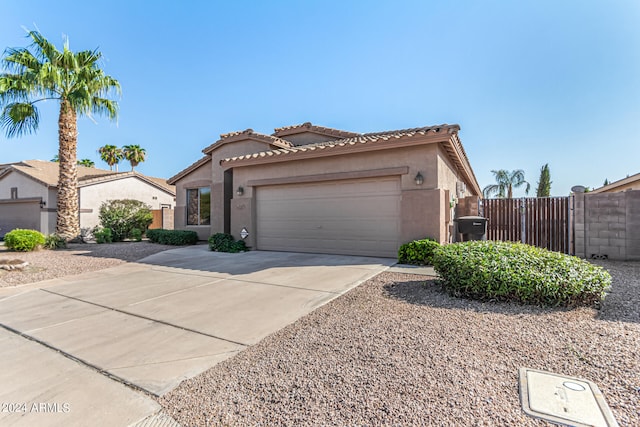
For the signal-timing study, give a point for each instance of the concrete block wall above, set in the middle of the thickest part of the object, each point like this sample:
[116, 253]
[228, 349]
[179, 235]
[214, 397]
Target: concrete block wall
[607, 225]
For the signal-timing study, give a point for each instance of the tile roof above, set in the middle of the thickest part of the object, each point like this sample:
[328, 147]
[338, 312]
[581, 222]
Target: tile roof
[451, 144]
[612, 185]
[47, 174]
[247, 134]
[309, 127]
[160, 183]
[366, 138]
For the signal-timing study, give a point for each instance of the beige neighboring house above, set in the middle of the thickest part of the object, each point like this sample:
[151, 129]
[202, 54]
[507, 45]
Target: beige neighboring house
[309, 188]
[629, 183]
[28, 194]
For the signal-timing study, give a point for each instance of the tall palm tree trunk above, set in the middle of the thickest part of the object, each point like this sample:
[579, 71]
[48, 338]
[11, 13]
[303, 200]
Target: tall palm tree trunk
[67, 222]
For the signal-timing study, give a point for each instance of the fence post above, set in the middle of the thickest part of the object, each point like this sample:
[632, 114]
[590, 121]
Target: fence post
[523, 221]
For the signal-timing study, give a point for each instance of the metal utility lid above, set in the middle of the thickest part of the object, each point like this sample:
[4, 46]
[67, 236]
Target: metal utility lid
[563, 400]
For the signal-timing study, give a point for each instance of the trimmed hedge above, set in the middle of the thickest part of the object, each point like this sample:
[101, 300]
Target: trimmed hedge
[23, 240]
[223, 242]
[504, 271]
[418, 252]
[172, 237]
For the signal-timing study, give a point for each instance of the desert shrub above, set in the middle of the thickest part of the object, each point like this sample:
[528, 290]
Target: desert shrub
[223, 242]
[53, 241]
[136, 234]
[23, 240]
[172, 237]
[505, 271]
[103, 235]
[418, 252]
[122, 216]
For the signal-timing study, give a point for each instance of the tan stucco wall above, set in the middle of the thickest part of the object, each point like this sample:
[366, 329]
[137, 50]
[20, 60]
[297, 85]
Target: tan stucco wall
[92, 196]
[624, 187]
[27, 188]
[201, 177]
[423, 208]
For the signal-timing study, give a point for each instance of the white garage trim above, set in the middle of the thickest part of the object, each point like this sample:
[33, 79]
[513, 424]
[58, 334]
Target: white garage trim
[355, 217]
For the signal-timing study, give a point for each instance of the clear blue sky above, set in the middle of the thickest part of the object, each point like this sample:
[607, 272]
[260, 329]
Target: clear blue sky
[530, 82]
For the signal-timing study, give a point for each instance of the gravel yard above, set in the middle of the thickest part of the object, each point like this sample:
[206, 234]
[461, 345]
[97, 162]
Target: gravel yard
[77, 258]
[397, 350]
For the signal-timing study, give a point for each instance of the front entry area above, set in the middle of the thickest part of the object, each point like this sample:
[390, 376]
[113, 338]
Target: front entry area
[355, 217]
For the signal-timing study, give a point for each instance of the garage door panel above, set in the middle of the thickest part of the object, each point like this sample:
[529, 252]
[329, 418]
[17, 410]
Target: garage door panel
[22, 214]
[359, 217]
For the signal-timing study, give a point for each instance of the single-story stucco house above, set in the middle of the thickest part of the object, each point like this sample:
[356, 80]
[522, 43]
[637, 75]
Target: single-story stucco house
[28, 194]
[629, 183]
[310, 188]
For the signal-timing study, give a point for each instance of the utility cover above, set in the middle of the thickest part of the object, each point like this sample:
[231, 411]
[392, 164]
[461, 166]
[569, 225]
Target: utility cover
[563, 400]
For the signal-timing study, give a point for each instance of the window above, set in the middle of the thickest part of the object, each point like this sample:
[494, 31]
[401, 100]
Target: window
[14, 192]
[199, 206]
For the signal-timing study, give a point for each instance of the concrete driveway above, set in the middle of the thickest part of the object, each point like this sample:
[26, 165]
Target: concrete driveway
[91, 349]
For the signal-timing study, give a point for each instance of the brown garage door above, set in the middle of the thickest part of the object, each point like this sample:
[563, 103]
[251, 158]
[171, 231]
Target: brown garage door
[354, 217]
[19, 214]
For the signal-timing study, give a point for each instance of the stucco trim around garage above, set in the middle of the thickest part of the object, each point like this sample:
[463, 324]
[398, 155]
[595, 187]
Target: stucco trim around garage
[373, 173]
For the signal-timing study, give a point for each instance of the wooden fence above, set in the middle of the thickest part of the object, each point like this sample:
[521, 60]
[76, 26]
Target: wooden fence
[544, 222]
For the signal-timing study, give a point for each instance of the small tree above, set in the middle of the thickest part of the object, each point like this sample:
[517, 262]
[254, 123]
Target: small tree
[606, 182]
[544, 183]
[122, 216]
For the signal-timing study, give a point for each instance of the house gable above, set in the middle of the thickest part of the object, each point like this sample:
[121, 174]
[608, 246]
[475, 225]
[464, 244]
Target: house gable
[307, 133]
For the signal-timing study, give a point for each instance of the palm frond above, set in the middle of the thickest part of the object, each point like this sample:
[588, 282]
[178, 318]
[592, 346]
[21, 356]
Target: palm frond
[19, 118]
[45, 50]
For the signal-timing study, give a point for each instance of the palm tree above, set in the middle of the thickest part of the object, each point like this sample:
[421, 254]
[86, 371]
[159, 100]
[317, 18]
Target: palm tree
[111, 155]
[505, 182]
[135, 154]
[86, 163]
[42, 72]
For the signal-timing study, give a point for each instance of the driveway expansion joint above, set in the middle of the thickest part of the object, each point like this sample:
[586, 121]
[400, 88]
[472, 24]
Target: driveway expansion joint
[162, 322]
[81, 361]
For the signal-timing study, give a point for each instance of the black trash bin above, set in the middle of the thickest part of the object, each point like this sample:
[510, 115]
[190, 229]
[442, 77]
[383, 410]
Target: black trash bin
[472, 228]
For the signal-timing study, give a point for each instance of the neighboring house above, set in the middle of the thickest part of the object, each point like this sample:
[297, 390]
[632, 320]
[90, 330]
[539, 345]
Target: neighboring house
[310, 188]
[28, 194]
[629, 183]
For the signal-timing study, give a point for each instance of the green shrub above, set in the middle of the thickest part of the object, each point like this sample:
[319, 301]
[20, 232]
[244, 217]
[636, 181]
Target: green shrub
[122, 216]
[172, 237]
[53, 241]
[23, 240]
[103, 235]
[418, 252]
[505, 271]
[136, 234]
[223, 242]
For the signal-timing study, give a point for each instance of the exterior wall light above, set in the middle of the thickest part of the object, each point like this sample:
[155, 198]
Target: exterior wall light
[240, 191]
[419, 179]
